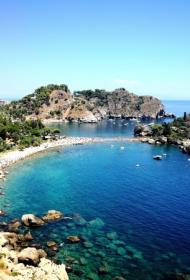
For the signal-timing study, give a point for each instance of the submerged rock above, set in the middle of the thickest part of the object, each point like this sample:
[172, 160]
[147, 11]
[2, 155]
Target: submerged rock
[87, 244]
[104, 268]
[121, 251]
[92, 276]
[83, 261]
[98, 223]
[31, 220]
[112, 235]
[73, 239]
[134, 252]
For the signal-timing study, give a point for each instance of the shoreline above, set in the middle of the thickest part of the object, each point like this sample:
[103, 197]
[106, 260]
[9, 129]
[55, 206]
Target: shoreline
[10, 157]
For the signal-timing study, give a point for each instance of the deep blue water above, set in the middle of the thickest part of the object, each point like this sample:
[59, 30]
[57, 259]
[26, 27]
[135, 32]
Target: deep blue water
[148, 206]
[178, 107]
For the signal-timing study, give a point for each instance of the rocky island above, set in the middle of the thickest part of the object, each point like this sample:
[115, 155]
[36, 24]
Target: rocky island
[57, 103]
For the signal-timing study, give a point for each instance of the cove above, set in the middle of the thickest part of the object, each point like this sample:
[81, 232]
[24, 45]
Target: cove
[147, 206]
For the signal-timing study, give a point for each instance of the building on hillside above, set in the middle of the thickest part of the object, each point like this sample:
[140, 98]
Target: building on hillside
[3, 102]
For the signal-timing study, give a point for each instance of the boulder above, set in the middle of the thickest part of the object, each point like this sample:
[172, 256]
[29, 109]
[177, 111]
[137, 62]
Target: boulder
[151, 141]
[52, 215]
[73, 239]
[14, 226]
[31, 220]
[31, 255]
[142, 130]
[163, 139]
[28, 236]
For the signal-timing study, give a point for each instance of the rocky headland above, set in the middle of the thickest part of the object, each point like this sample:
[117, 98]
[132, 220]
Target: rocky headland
[176, 133]
[57, 103]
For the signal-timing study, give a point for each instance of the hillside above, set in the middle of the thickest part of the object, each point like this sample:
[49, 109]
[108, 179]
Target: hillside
[56, 102]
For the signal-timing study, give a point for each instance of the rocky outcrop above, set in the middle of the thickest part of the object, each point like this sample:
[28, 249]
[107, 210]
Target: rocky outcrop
[31, 220]
[52, 215]
[31, 255]
[142, 130]
[28, 263]
[94, 106]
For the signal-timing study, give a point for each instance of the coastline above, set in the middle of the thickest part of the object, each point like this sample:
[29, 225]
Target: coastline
[10, 157]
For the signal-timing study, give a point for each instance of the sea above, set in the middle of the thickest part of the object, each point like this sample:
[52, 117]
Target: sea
[131, 213]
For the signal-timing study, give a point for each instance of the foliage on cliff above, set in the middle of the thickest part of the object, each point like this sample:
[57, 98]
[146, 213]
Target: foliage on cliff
[21, 133]
[31, 103]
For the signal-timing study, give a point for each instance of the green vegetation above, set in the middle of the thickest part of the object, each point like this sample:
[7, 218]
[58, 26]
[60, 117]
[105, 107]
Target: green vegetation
[22, 134]
[31, 103]
[179, 129]
[99, 94]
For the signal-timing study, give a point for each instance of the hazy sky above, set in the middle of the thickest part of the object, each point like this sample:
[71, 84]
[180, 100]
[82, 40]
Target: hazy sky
[142, 45]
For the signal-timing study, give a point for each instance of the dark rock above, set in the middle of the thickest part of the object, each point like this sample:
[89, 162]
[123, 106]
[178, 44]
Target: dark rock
[142, 130]
[157, 157]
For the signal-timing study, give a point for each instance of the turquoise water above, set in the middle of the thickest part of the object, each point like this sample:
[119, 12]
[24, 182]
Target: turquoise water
[147, 206]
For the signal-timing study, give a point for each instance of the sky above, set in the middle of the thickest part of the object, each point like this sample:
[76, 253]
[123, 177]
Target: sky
[142, 45]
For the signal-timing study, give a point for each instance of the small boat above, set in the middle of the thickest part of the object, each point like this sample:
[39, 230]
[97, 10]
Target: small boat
[157, 157]
[137, 165]
[122, 148]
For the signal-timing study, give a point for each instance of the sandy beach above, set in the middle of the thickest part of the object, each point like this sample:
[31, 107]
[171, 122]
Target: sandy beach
[10, 157]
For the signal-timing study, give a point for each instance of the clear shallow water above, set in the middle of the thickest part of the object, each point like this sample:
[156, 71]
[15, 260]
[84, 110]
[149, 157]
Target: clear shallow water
[148, 206]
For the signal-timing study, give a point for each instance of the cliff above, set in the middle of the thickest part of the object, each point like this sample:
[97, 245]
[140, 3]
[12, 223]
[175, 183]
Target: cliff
[56, 102]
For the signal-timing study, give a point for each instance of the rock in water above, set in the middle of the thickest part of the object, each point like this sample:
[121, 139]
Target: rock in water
[157, 157]
[73, 239]
[52, 215]
[31, 220]
[142, 130]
